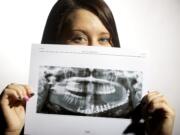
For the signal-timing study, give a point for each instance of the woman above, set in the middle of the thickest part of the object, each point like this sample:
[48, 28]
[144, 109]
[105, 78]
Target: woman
[85, 22]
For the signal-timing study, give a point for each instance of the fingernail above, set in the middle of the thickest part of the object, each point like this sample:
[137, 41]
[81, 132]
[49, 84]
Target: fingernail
[150, 117]
[31, 95]
[26, 98]
[150, 109]
[19, 98]
[10, 105]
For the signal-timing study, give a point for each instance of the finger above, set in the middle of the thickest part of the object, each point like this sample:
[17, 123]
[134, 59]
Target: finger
[160, 104]
[156, 101]
[28, 90]
[148, 95]
[19, 89]
[8, 93]
[10, 99]
[148, 99]
[25, 89]
[156, 98]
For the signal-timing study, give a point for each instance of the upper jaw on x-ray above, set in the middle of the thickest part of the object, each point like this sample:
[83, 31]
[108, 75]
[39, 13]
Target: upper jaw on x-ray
[90, 91]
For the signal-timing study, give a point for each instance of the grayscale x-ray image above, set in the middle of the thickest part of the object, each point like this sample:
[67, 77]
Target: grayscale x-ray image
[88, 91]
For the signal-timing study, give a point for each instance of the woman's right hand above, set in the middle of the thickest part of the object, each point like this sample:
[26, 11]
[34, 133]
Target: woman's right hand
[12, 102]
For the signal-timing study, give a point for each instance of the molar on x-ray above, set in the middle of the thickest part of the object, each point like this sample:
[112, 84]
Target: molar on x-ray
[88, 91]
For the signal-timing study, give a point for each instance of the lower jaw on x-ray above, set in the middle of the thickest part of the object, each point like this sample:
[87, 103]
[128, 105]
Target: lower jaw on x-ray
[92, 95]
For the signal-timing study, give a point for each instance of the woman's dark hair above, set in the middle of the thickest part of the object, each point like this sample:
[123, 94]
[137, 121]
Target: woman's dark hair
[57, 17]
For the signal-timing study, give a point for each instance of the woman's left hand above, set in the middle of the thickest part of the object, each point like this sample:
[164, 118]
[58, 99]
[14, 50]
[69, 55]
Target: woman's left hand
[158, 114]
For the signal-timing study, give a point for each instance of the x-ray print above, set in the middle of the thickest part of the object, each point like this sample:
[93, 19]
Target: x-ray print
[88, 91]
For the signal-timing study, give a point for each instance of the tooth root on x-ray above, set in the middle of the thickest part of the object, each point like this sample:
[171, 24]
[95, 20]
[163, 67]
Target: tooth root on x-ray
[104, 107]
[88, 111]
[108, 106]
[75, 101]
[65, 97]
[71, 100]
[98, 108]
[92, 108]
[101, 108]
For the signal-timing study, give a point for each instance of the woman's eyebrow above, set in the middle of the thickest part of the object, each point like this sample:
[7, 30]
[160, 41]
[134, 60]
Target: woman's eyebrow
[86, 32]
[79, 30]
[104, 33]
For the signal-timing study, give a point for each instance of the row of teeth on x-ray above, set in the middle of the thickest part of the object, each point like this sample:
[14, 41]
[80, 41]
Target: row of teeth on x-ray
[93, 108]
[100, 89]
[111, 75]
[98, 108]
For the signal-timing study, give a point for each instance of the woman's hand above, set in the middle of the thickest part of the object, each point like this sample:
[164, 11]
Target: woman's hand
[12, 102]
[158, 114]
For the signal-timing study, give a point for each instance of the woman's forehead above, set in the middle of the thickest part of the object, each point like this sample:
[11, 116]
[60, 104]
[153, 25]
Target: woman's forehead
[85, 19]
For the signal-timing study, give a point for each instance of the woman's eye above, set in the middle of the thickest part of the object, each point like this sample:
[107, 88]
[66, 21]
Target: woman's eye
[105, 41]
[79, 39]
